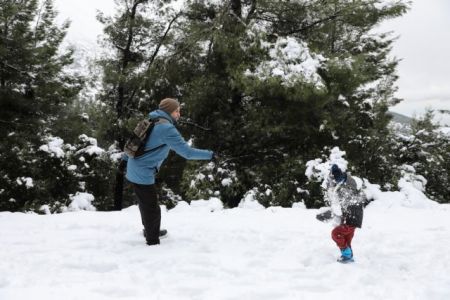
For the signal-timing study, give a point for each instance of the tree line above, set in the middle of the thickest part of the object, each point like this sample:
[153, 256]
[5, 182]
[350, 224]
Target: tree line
[270, 85]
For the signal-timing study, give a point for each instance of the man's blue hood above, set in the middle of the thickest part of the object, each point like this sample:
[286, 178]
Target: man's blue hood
[161, 114]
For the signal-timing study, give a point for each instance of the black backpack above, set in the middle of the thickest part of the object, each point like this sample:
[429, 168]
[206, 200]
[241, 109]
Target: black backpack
[135, 145]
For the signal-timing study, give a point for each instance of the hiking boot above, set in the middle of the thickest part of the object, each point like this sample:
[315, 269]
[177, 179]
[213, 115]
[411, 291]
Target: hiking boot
[162, 233]
[345, 260]
[346, 255]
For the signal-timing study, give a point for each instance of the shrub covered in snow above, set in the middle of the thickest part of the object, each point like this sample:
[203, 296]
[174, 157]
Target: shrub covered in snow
[95, 171]
[212, 180]
[56, 171]
[426, 150]
[168, 197]
[280, 185]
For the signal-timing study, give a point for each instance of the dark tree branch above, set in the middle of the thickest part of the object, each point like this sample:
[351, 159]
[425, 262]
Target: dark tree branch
[38, 20]
[337, 14]
[126, 60]
[313, 24]
[187, 122]
[127, 50]
[27, 74]
[118, 46]
[236, 8]
[155, 53]
[251, 12]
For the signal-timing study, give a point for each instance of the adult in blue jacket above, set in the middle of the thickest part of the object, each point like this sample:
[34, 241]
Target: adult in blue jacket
[141, 171]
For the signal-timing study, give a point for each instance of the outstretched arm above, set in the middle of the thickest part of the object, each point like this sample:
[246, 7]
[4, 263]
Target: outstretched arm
[176, 142]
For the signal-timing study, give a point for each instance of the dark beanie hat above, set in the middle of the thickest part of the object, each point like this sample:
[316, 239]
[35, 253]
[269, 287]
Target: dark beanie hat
[169, 105]
[338, 174]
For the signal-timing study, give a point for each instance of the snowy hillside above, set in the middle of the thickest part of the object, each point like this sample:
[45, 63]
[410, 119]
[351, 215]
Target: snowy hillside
[401, 253]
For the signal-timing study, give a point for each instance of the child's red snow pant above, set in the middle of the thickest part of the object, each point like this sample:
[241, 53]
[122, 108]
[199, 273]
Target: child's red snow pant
[343, 235]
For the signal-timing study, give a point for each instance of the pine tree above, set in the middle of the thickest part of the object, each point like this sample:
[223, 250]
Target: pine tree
[211, 58]
[267, 116]
[34, 89]
[131, 79]
[427, 149]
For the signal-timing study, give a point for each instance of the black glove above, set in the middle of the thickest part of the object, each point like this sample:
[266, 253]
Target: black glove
[123, 166]
[215, 157]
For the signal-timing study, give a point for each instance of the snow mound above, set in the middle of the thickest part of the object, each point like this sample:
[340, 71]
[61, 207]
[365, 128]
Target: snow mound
[213, 204]
[250, 202]
[81, 201]
[408, 196]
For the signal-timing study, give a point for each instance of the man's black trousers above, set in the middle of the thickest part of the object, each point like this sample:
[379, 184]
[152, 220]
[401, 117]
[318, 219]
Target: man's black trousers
[147, 197]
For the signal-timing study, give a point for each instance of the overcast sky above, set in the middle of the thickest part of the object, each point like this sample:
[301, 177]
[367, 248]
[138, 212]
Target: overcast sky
[423, 45]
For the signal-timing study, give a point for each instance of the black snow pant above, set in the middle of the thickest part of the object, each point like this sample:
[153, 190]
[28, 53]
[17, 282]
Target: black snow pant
[147, 197]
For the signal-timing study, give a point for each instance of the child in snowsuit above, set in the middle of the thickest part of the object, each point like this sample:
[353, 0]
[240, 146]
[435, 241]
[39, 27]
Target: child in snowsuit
[344, 190]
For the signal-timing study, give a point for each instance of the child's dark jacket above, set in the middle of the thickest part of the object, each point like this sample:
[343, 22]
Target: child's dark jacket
[352, 202]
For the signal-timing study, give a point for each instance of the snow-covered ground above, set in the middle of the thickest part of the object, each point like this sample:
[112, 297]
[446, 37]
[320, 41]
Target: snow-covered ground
[276, 253]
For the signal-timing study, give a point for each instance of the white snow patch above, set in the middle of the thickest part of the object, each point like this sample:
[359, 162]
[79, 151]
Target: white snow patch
[213, 204]
[414, 196]
[116, 156]
[28, 181]
[299, 205]
[182, 206]
[53, 147]
[250, 202]
[445, 130]
[291, 60]
[224, 253]
[227, 182]
[81, 201]
[45, 209]
[72, 167]
[229, 254]
[200, 177]
[92, 148]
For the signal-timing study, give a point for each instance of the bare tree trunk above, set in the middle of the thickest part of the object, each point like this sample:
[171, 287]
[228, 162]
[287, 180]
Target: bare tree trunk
[236, 7]
[121, 91]
[124, 94]
[3, 64]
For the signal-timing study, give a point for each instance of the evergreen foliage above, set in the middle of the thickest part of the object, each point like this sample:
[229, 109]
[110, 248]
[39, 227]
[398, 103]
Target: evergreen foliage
[274, 84]
[131, 84]
[34, 91]
[427, 149]
[246, 85]
[211, 180]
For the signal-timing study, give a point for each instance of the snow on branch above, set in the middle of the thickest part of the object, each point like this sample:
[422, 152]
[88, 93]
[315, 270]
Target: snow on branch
[290, 60]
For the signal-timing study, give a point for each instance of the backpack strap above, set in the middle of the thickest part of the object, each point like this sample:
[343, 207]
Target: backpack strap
[160, 120]
[156, 122]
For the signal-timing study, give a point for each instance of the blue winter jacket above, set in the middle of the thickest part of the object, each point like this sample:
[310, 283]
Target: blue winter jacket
[142, 170]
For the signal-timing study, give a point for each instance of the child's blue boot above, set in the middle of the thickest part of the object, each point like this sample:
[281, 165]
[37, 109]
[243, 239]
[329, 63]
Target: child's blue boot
[346, 255]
